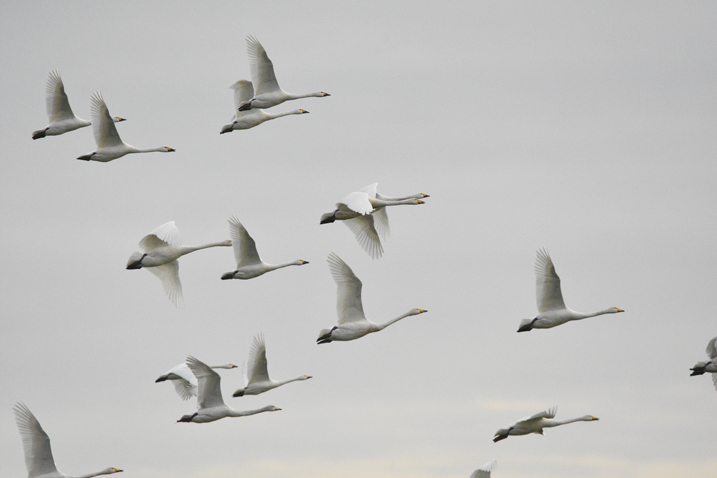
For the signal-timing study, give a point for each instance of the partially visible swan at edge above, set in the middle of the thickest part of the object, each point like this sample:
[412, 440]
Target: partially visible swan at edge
[36, 444]
[184, 381]
[352, 321]
[484, 471]
[551, 308]
[62, 119]
[536, 423]
[711, 365]
[244, 91]
[210, 402]
[249, 264]
[109, 144]
[162, 247]
[257, 375]
[268, 92]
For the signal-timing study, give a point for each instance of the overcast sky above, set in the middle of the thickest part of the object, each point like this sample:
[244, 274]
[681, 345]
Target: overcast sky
[585, 128]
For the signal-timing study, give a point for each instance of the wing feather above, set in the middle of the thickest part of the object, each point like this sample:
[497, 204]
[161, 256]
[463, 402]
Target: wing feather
[257, 370]
[712, 348]
[547, 284]
[210, 393]
[262, 69]
[165, 235]
[35, 442]
[363, 228]
[103, 125]
[358, 201]
[58, 106]
[245, 252]
[348, 296]
[169, 275]
[549, 413]
[485, 470]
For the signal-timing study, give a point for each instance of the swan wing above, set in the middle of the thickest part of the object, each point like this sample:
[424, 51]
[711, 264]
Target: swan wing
[380, 219]
[363, 227]
[484, 471]
[348, 300]
[358, 202]
[103, 125]
[35, 442]
[371, 190]
[262, 70]
[244, 246]
[257, 366]
[712, 348]
[58, 106]
[547, 284]
[165, 235]
[185, 389]
[210, 393]
[169, 275]
[549, 413]
[243, 91]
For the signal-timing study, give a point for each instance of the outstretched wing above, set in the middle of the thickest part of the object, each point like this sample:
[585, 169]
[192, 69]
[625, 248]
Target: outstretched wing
[245, 252]
[262, 70]
[169, 275]
[210, 393]
[547, 284]
[549, 413]
[348, 294]
[358, 201]
[364, 229]
[243, 91]
[165, 235]
[484, 471]
[257, 366]
[35, 442]
[712, 348]
[58, 106]
[103, 125]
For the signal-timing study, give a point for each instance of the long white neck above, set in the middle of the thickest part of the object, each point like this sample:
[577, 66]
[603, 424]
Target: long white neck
[274, 267]
[188, 249]
[305, 95]
[392, 321]
[160, 149]
[593, 314]
[381, 203]
[413, 196]
[279, 115]
[238, 413]
[557, 423]
[229, 366]
[284, 382]
[107, 471]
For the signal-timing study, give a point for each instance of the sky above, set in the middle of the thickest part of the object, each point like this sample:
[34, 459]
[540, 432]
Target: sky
[587, 128]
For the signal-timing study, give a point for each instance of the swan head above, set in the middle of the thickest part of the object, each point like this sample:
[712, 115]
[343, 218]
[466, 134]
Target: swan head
[167, 149]
[271, 408]
[303, 112]
[301, 262]
[110, 470]
[614, 310]
[118, 119]
[305, 377]
[322, 94]
[417, 311]
[589, 418]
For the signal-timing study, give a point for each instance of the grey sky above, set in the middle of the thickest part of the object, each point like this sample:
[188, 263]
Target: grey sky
[588, 129]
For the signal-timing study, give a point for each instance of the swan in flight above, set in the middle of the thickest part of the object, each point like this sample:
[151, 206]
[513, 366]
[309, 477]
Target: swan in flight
[257, 376]
[352, 321]
[551, 308]
[184, 381]
[484, 471]
[536, 423]
[711, 365]
[210, 402]
[161, 249]
[36, 444]
[109, 144]
[268, 92]
[364, 214]
[62, 119]
[244, 91]
[249, 264]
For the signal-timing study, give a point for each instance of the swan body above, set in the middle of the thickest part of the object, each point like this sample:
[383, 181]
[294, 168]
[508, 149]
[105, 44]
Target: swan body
[209, 399]
[551, 307]
[109, 144]
[61, 117]
[36, 444]
[536, 423]
[184, 381]
[484, 471]
[268, 93]
[709, 366]
[249, 264]
[161, 249]
[257, 375]
[246, 119]
[352, 321]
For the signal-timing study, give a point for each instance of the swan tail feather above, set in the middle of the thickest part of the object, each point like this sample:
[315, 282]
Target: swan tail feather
[40, 133]
[187, 418]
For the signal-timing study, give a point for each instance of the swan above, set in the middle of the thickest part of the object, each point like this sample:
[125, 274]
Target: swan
[711, 365]
[210, 402]
[268, 92]
[551, 308]
[249, 264]
[364, 214]
[184, 381]
[62, 119]
[162, 247]
[36, 444]
[352, 321]
[536, 423]
[244, 91]
[484, 471]
[109, 144]
[257, 376]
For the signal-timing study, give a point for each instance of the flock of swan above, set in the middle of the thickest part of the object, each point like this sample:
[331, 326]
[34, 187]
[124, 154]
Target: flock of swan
[363, 212]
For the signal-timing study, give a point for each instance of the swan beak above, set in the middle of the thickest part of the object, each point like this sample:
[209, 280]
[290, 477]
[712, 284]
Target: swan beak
[119, 120]
[326, 94]
[422, 310]
[419, 201]
[170, 150]
[233, 366]
[619, 310]
[304, 262]
[117, 470]
[304, 111]
[425, 195]
[594, 418]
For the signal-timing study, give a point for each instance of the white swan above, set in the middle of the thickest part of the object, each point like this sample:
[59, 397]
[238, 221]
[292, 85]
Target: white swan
[162, 247]
[62, 119]
[536, 423]
[257, 376]
[36, 444]
[484, 471]
[210, 402]
[184, 381]
[268, 92]
[352, 321]
[711, 365]
[551, 308]
[249, 264]
[244, 91]
[109, 144]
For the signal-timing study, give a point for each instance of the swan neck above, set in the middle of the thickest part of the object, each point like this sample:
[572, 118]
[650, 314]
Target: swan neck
[244, 413]
[286, 113]
[188, 249]
[90, 475]
[393, 202]
[392, 321]
[593, 314]
[557, 423]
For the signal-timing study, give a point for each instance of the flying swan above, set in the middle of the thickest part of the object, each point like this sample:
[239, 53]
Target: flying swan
[210, 402]
[161, 249]
[109, 144]
[551, 308]
[484, 471]
[184, 381]
[711, 365]
[249, 264]
[352, 321]
[246, 119]
[36, 444]
[62, 119]
[536, 423]
[268, 93]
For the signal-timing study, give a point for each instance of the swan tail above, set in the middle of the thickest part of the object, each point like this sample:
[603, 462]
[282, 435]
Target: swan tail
[246, 106]
[526, 325]
[498, 438]
[86, 157]
[238, 393]
[227, 129]
[187, 418]
[227, 276]
[325, 336]
[40, 133]
[697, 370]
[327, 218]
[161, 379]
